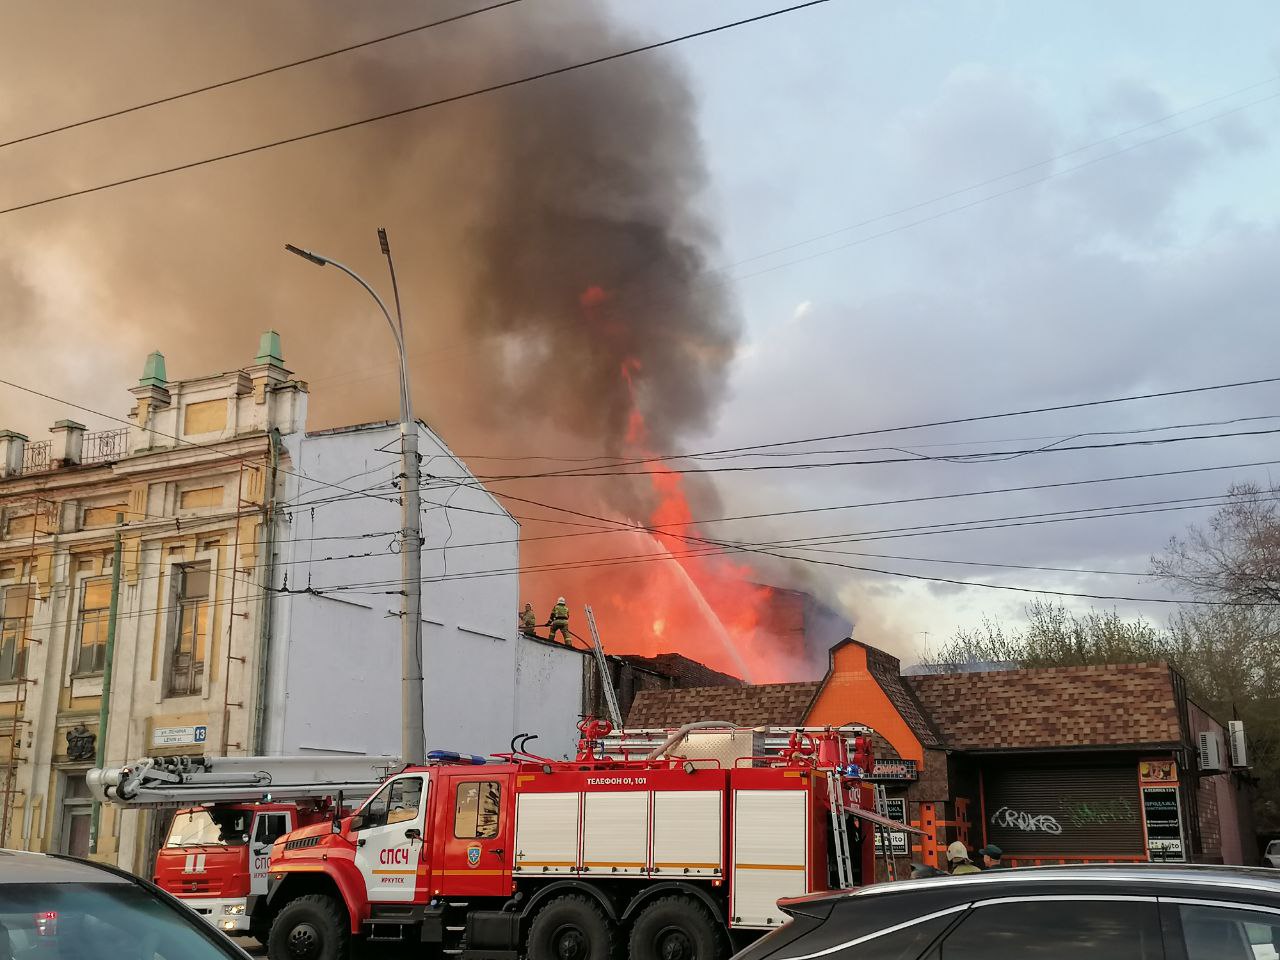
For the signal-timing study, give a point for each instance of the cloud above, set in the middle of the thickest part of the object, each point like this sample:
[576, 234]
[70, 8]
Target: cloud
[1092, 286]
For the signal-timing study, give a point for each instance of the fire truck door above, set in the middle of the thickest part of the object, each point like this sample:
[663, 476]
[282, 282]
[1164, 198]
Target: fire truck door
[390, 833]
[473, 835]
[267, 825]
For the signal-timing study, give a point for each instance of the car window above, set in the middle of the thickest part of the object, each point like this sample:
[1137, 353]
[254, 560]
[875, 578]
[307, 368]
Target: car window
[1058, 929]
[908, 943]
[270, 826]
[476, 809]
[209, 827]
[1273, 847]
[396, 802]
[404, 800]
[70, 921]
[1224, 933]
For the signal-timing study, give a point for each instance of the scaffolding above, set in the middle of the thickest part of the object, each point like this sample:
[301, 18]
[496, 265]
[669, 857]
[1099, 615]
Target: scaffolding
[20, 722]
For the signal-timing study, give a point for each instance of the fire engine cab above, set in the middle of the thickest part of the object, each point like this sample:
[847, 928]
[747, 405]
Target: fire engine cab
[230, 813]
[673, 849]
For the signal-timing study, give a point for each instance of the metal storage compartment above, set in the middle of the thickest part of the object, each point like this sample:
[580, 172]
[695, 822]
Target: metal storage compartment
[546, 833]
[615, 832]
[686, 832]
[770, 854]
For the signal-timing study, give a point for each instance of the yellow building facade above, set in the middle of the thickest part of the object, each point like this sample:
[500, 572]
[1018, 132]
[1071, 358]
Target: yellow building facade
[185, 495]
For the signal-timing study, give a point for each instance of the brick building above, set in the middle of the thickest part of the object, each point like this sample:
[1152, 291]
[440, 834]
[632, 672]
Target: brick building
[1053, 765]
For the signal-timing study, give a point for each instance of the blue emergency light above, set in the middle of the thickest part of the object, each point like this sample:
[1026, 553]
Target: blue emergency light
[448, 756]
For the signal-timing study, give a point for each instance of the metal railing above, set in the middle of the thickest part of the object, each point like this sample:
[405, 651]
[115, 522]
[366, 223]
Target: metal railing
[105, 446]
[35, 456]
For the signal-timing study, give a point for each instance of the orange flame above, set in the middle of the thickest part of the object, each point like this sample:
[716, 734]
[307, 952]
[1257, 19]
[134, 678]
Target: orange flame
[691, 598]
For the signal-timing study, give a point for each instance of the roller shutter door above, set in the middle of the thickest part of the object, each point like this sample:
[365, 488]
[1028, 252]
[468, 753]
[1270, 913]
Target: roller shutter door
[1061, 811]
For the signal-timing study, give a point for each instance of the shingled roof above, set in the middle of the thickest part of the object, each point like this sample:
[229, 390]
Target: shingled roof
[765, 704]
[1102, 706]
[886, 670]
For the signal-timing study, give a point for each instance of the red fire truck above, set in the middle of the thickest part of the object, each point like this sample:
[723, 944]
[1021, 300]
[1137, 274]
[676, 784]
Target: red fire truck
[230, 811]
[674, 853]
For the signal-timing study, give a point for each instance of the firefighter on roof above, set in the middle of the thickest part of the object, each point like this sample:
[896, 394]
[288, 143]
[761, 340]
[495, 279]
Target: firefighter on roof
[560, 620]
[528, 622]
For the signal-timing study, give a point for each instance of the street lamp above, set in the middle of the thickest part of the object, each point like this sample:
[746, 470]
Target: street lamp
[413, 738]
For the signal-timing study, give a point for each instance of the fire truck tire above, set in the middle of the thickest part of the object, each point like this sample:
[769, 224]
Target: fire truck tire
[571, 927]
[676, 928]
[312, 927]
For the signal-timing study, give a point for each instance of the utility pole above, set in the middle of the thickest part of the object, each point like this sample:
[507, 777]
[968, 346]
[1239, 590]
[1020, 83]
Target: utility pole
[413, 736]
[104, 708]
[412, 698]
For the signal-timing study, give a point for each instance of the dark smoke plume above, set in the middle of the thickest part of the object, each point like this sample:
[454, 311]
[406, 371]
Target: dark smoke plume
[545, 235]
[504, 212]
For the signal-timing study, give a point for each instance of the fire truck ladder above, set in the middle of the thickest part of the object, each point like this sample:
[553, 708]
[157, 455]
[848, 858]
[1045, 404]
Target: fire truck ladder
[840, 831]
[157, 781]
[883, 835]
[602, 665]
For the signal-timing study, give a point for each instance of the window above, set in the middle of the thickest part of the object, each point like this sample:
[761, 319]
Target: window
[397, 802]
[15, 614]
[213, 826]
[110, 919]
[189, 625]
[77, 814]
[95, 604]
[475, 814]
[905, 944]
[270, 826]
[1058, 929]
[1224, 933]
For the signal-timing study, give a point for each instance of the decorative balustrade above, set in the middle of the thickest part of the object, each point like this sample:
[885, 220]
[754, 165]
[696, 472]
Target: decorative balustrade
[105, 446]
[36, 456]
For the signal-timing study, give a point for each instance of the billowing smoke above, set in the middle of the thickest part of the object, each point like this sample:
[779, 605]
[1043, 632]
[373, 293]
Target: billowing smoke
[546, 235]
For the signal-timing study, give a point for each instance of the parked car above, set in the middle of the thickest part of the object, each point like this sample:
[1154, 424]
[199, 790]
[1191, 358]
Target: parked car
[1138, 912]
[60, 908]
[1272, 857]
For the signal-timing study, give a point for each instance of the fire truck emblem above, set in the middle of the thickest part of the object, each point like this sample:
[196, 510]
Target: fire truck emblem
[473, 855]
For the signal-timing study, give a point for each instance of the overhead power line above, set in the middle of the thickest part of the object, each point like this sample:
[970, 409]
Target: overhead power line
[816, 465]
[713, 551]
[441, 101]
[620, 526]
[253, 76]
[903, 428]
[704, 547]
[1057, 438]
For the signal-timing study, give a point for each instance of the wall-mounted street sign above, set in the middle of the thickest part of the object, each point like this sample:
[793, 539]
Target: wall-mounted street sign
[899, 845]
[1163, 817]
[179, 736]
[893, 770]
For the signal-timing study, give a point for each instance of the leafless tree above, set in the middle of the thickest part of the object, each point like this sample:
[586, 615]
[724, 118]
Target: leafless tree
[1235, 556]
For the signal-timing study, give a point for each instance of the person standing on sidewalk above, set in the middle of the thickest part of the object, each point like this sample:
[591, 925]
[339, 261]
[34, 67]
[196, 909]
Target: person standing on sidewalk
[991, 855]
[958, 860]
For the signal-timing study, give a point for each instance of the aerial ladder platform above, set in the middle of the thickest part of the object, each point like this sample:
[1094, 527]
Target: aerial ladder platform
[195, 780]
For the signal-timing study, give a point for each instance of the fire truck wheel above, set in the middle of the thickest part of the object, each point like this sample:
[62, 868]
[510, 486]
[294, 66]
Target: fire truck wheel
[676, 928]
[309, 928]
[571, 928]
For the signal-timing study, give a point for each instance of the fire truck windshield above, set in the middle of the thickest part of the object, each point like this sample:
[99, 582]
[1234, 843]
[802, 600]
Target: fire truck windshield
[209, 827]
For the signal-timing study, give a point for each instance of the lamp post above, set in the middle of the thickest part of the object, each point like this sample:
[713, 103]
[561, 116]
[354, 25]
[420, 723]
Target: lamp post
[413, 737]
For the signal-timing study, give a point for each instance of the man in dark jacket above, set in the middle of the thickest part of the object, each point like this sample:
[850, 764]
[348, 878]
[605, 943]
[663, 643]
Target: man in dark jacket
[990, 857]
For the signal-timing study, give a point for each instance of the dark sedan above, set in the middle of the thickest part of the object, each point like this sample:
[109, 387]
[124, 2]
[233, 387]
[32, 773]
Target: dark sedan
[60, 908]
[1139, 912]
